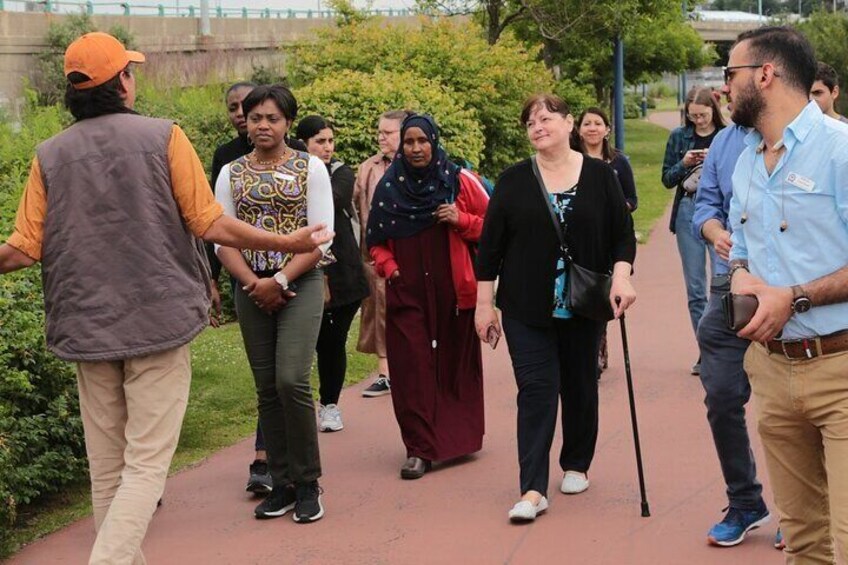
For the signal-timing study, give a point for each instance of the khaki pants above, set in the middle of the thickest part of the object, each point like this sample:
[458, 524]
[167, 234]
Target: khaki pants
[802, 409]
[132, 411]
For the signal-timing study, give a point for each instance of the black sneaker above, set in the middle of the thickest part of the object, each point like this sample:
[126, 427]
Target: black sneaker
[380, 387]
[308, 506]
[280, 501]
[260, 479]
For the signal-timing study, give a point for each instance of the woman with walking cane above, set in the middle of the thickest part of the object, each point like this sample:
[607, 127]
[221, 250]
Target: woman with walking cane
[553, 348]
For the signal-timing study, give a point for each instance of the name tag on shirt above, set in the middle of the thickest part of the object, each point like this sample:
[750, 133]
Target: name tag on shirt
[801, 182]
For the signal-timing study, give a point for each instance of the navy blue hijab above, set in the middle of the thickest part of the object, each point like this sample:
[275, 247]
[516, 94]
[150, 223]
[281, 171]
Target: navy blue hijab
[406, 198]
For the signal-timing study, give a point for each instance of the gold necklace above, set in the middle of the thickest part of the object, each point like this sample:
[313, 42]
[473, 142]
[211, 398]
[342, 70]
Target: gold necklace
[256, 160]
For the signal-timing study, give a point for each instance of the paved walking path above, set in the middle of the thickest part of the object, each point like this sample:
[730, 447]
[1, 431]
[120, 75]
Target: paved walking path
[457, 513]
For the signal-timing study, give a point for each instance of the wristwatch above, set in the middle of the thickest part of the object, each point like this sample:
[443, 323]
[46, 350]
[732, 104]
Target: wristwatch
[800, 301]
[735, 267]
[282, 280]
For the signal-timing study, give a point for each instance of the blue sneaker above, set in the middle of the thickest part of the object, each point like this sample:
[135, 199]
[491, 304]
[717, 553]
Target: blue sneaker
[731, 531]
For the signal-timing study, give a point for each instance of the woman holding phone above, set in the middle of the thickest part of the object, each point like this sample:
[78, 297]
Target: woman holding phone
[553, 350]
[685, 152]
[425, 218]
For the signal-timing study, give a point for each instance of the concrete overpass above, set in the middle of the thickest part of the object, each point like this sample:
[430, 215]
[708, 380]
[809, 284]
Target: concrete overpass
[176, 50]
[721, 32]
[724, 26]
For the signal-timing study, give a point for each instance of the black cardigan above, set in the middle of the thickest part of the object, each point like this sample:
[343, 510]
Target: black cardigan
[519, 243]
[346, 277]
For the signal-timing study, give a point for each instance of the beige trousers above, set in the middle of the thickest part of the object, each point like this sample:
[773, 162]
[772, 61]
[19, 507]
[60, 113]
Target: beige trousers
[802, 410]
[132, 411]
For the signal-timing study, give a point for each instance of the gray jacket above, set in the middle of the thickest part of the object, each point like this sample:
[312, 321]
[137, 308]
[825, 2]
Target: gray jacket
[122, 275]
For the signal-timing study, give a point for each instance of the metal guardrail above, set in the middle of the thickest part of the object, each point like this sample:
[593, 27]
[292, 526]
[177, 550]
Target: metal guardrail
[190, 11]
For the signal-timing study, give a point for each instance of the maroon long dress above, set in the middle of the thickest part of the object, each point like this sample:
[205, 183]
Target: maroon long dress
[433, 353]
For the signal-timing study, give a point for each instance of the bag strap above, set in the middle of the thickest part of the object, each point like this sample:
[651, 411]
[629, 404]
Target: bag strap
[546, 197]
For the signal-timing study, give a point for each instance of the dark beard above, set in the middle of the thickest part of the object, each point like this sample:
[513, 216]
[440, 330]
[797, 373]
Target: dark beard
[747, 107]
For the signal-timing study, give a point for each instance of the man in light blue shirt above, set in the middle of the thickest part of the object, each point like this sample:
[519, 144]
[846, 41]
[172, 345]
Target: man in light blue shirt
[789, 214]
[722, 352]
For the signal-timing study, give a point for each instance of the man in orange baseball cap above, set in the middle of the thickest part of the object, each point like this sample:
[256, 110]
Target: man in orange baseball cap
[111, 209]
[98, 56]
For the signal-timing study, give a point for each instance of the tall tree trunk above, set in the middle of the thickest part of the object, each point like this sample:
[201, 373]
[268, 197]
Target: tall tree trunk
[493, 14]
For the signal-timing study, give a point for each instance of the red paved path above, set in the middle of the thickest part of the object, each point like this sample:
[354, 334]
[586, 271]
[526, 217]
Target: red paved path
[458, 512]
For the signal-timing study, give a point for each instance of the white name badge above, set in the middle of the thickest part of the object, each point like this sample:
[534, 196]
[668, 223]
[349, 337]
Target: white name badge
[801, 182]
[283, 176]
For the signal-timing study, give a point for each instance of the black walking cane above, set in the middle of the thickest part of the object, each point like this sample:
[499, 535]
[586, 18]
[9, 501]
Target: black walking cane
[646, 512]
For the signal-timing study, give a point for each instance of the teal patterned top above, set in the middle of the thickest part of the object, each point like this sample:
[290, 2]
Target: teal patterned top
[561, 202]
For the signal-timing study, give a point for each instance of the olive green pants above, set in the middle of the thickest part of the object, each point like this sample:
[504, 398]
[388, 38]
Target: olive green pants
[280, 348]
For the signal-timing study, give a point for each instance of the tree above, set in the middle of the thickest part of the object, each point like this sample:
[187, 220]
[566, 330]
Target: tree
[494, 15]
[578, 38]
[828, 32]
[490, 80]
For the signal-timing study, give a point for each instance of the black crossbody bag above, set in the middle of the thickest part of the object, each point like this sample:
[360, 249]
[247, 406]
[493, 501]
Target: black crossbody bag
[588, 292]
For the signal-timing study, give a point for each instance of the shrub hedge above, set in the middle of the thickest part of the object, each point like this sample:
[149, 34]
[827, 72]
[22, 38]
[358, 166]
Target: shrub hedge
[492, 80]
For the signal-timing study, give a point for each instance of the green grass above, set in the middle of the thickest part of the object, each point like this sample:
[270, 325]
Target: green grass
[645, 145]
[221, 411]
[666, 104]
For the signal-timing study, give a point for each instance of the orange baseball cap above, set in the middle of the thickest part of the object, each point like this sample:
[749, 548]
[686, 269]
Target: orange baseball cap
[100, 57]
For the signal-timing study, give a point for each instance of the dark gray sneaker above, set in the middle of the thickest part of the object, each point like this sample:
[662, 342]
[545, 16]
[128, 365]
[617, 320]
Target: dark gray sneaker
[380, 387]
[259, 481]
[308, 506]
[280, 501]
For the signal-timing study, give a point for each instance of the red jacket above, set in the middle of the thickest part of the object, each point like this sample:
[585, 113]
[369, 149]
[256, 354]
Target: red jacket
[471, 202]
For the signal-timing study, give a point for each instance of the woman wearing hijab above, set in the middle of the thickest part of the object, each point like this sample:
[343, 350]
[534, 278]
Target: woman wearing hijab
[345, 282]
[426, 215]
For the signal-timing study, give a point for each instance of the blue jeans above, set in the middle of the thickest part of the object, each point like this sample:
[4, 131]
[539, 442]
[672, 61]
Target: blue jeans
[693, 253]
[727, 392]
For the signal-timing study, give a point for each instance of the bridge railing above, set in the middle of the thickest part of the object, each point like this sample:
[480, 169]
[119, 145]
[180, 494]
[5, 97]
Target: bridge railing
[191, 11]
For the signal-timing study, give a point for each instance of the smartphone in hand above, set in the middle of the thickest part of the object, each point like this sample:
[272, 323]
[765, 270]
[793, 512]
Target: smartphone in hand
[493, 336]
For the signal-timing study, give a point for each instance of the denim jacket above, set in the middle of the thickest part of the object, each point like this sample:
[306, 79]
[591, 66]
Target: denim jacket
[681, 140]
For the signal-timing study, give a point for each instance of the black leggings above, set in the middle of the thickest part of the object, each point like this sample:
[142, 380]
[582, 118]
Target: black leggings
[332, 351]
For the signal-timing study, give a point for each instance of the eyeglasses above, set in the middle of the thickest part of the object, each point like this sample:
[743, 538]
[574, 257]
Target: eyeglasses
[702, 116]
[729, 71]
[386, 133]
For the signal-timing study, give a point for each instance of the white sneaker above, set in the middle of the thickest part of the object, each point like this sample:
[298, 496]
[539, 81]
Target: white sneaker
[330, 417]
[574, 482]
[526, 511]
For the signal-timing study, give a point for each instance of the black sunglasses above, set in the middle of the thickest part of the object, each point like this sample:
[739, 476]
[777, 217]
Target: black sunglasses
[728, 71]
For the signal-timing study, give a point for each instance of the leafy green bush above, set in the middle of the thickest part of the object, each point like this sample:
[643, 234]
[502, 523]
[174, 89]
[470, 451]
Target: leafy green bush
[661, 90]
[493, 80]
[41, 445]
[199, 111]
[353, 101]
[50, 77]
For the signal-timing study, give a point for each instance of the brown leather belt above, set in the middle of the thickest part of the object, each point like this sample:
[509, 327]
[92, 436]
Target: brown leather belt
[810, 347]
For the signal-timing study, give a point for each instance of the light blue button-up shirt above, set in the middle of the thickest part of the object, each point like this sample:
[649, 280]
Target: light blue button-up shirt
[712, 201]
[808, 189]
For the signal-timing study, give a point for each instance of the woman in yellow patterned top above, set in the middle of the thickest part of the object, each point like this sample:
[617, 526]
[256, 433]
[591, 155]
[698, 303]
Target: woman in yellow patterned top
[280, 298]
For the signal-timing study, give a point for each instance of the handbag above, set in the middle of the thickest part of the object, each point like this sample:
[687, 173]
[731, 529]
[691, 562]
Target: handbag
[738, 310]
[588, 292]
[691, 180]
